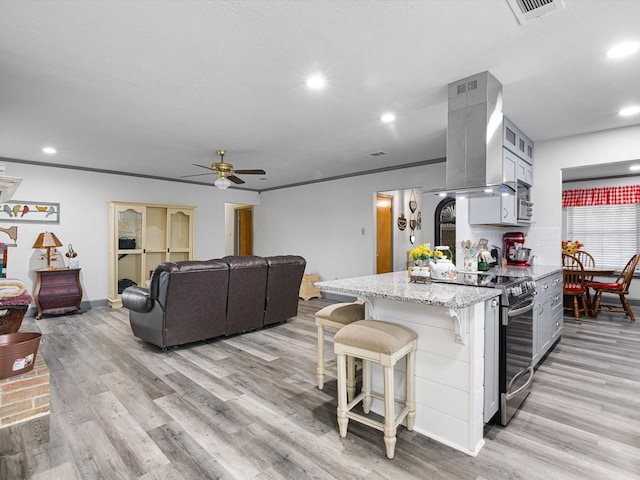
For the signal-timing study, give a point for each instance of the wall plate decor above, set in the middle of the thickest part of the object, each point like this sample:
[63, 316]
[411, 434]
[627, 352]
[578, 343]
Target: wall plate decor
[413, 222]
[412, 239]
[419, 225]
[413, 205]
[25, 211]
[402, 222]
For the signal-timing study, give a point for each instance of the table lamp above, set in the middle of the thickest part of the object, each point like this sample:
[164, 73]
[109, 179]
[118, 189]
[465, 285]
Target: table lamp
[47, 240]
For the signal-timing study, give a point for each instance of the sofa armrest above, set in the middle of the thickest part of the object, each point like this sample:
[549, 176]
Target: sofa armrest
[137, 299]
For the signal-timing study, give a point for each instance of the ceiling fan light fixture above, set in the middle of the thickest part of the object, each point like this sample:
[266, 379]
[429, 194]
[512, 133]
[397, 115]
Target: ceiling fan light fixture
[222, 183]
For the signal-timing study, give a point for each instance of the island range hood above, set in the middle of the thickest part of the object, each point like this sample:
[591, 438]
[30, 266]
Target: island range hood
[474, 138]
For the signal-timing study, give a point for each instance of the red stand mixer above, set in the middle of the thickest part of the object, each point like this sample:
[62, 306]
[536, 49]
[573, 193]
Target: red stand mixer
[514, 249]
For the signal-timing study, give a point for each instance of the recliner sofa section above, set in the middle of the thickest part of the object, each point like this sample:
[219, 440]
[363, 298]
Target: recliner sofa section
[198, 300]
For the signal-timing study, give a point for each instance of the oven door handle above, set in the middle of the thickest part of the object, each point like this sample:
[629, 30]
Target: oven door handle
[520, 311]
[510, 395]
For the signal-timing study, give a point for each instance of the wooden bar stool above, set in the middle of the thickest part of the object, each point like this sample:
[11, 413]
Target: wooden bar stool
[384, 343]
[335, 317]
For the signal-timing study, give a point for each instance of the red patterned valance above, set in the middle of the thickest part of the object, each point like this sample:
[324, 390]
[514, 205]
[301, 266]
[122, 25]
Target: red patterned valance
[601, 196]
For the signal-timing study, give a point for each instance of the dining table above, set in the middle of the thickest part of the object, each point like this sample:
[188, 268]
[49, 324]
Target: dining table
[590, 272]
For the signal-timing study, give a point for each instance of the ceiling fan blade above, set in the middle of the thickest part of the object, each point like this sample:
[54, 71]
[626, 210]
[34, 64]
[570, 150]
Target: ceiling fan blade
[208, 168]
[197, 175]
[257, 171]
[235, 179]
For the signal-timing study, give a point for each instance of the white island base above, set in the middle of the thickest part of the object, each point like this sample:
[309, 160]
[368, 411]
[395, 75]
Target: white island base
[449, 370]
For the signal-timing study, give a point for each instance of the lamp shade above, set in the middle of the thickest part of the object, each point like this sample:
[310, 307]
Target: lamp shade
[222, 183]
[47, 240]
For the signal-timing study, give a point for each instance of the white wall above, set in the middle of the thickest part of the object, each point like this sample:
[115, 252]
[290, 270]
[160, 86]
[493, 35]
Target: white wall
[323, 221]
[83, 198]
[550, 157]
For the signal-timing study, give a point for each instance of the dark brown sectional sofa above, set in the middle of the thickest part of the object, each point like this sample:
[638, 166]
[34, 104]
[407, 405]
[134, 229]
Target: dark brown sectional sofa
[198, 300]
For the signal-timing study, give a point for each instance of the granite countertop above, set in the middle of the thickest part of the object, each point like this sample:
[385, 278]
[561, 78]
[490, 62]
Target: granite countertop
[396, 286]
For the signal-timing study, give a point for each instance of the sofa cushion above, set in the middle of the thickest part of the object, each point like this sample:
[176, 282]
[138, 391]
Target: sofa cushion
[283, 285]
[246, 296]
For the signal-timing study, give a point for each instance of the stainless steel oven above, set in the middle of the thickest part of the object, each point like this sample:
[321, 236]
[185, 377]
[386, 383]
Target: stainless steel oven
[515, 352]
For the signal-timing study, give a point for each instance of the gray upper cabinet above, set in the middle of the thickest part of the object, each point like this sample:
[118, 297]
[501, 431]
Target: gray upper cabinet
[517, 142]
[524, 172]
[497, 210]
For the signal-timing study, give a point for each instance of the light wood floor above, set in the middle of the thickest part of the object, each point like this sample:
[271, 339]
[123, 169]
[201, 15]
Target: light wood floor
[247, 407]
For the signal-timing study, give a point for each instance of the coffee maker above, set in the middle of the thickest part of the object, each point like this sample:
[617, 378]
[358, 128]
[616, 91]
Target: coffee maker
[514, 249]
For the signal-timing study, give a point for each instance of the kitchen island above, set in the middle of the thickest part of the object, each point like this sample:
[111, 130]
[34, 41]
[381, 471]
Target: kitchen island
[450, 364]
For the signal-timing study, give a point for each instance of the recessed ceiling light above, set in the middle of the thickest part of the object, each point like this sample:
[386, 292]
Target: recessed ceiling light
[49, 150]
[634, 168]
[387, 117]
[623, 50]
[628, 111]
[316, 82]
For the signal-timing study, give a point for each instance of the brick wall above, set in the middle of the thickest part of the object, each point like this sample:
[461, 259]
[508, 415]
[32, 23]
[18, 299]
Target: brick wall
[25, 396]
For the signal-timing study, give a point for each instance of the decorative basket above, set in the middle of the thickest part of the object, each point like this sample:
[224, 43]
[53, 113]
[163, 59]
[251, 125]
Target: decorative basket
[11, 318]
[18, 353]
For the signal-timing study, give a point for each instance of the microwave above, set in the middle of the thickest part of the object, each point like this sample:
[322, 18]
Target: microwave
[525, 210]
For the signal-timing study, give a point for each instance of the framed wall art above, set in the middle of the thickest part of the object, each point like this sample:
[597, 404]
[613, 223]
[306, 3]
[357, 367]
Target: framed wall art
[24, 211]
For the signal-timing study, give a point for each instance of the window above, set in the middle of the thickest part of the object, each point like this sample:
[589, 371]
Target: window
[608, 232]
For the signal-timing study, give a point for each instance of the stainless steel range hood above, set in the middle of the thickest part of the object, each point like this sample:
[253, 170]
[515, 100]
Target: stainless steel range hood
[474, 138]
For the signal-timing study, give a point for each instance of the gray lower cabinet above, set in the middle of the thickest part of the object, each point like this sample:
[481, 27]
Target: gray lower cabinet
[491, 360]
[547, 314]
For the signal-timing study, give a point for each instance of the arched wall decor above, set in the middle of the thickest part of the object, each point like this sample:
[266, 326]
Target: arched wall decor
[445, 223]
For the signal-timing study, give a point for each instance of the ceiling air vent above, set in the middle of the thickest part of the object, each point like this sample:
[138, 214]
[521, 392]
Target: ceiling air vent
[526, 10]
[377, 154]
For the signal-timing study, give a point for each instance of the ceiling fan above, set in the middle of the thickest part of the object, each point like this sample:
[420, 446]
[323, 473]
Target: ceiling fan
[225, 171]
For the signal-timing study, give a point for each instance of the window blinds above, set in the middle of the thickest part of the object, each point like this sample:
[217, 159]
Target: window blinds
[608, 232]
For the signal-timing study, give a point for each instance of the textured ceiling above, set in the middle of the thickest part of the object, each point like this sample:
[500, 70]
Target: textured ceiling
[151, 87]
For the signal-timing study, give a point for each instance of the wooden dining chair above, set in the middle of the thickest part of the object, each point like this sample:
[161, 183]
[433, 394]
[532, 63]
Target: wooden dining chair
[573, 287]
[587, 261]
[620, 287]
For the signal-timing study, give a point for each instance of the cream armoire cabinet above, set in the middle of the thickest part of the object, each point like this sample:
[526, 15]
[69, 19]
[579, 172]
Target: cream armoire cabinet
[141, 236]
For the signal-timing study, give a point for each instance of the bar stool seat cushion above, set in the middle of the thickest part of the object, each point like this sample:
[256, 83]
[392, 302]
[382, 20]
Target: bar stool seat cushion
[343, 313]
[376, 336]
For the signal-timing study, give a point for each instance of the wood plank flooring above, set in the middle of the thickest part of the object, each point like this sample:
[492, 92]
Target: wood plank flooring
[248, 407]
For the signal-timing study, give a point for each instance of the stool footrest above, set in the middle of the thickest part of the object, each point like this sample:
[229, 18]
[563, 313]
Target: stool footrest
[380, 396]
[366, 420]
[375, 423]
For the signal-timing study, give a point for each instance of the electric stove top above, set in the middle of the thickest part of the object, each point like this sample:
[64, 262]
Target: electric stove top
[514, 289]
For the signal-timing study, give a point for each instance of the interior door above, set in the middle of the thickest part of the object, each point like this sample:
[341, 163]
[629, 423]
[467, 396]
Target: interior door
[244, 231]
[384, 233]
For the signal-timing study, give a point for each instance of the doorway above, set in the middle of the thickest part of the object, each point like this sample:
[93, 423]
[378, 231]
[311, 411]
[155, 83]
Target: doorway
[243, 230]
[384, 233]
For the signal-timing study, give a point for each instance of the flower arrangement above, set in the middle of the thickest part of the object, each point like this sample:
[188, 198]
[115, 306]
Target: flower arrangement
[570, 246]
[425, 253]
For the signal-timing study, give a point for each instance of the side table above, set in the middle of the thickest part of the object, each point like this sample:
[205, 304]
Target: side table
[307, 290]
[57, 290]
